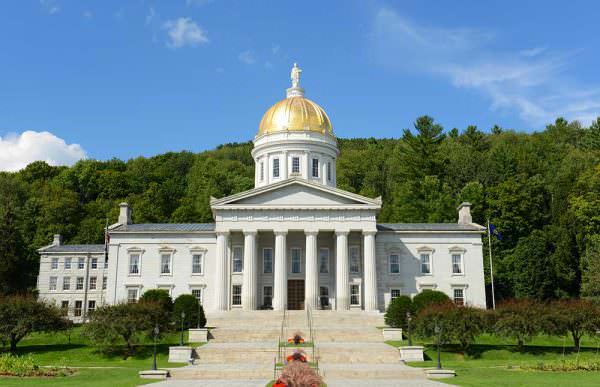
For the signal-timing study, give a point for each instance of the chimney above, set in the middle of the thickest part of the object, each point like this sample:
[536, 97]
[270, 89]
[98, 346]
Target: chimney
[124, 213]
[464, 213]
[57, 241]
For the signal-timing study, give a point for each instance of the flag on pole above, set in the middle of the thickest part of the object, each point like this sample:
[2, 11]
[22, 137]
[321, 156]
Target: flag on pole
[494, 231]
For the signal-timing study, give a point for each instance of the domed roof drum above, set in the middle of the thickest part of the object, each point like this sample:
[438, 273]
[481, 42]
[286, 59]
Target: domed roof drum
[295, 113]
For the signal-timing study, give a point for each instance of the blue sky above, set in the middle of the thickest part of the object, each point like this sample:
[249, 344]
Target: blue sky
[103, 79]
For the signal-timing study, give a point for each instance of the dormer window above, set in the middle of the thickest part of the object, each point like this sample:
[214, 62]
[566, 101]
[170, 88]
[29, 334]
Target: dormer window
[315, 167]
[275, 168]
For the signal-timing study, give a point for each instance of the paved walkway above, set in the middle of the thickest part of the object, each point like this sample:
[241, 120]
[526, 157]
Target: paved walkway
[212, 383]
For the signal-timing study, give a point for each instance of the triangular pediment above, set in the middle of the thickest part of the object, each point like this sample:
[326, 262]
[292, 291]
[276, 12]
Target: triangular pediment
[296, 193]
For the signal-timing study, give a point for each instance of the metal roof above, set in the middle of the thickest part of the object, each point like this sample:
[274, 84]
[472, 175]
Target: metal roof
[407, 227]
[165, 227]
[73, 249]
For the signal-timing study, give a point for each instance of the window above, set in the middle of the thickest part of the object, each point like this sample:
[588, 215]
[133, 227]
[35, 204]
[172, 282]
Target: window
[236, 298]
[238, 259]
[79, 283]
[315, 167]
[104, 283]
[268, 260]
[64, 308]
[328, 171]
[67, 263]
[459, 296]
[354, 294]
[77, 310]
[134, 264]
[81, 263]
[132, 295]
[295, 164]
[425, 263]
[197, 264]
[66, 283]
[165, 264]
[268, 296]
[354, 259]
[296, 260]
[94, 263]
[395, 293]
[262, 170]
[457, 264]
[324, 297]
[394, 263]
[323, 260]
[93, 281]
[275, 167]
[54, 264]
[91, 306]
[198, 294]
[52, 283]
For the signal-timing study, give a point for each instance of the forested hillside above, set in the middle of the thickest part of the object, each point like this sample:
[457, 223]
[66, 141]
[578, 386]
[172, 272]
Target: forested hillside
[541, 190]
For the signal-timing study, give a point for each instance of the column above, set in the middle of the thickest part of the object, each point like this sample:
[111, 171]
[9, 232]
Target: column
[370, 270]
[342, 292]
[311, 287]
[221, 277]
[280, 273]
[249, 275]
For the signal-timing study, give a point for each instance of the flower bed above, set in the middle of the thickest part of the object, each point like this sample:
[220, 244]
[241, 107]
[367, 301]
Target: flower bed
[565, 365]
[25, 366]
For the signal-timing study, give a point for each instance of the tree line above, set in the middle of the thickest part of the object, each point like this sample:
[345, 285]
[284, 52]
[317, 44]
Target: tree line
[541, 190]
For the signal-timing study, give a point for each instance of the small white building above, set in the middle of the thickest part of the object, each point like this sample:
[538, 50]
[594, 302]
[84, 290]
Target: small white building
[293, 241]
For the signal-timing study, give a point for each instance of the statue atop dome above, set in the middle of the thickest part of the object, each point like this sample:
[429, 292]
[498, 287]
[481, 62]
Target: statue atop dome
[295, 75]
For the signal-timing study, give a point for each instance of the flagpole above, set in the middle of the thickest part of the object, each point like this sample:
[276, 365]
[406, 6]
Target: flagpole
[491, 264]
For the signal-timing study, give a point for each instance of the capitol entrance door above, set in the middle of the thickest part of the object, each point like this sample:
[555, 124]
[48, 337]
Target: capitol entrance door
[295, 294]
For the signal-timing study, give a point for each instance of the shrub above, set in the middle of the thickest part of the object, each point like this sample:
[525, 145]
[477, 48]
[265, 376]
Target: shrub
[194, 313]
[466, 324]
[297, 373]
[437, 314]
[395, 315]
[11, 365]
[519, 320]
[160, 297]
[428, 297]
[574, 317]
[565, 365]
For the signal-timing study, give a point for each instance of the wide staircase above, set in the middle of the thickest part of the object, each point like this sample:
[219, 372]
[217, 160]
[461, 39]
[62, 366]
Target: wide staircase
[348, 345]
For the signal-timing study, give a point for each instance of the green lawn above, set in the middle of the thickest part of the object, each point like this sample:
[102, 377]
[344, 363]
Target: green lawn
[113, 370]
[496, 362]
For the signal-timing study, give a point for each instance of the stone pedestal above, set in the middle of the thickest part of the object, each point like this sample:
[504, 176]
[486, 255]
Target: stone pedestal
[413, 353]
[392, 334]
[198, 335]
[180, 354]
[154, 374]
[440, 374]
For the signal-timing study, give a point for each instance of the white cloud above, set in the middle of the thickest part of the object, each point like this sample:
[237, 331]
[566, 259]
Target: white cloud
[50, 6]
[88, 14]
[18, 150]
[520, 81]
[247, 57]
[184, 32]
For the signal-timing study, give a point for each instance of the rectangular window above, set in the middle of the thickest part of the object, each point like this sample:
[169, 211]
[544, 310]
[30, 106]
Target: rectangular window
[295, 164]
[81, 263]
[315, 167]
[52, 283]
[323, 260]
[197, 264]
[395, 293]
[354, 294]
[456, 264]
[324, 297]
[268, 260]
[165, 264]
[66, 283]
[262, 170]
[79, 283]
[77, 310]
[132, 295]
[236, 295]
[394, 264]
[67, 263]
[425, 263]
[91, 306]
[329, 171]
[104, 283]
[64, 308]
[94, 263]
[459, 296]
[275, 167]
[268, 296]
[54, 264]
[296, 260]
[93, 282]
[134, 264]
[354, 259]
[238, 259]
[198, 294]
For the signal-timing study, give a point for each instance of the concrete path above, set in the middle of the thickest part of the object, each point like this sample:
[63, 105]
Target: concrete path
[212, 383]
[383, 383]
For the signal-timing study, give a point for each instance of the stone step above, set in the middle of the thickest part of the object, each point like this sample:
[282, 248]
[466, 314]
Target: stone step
[356, 352]
[370, 371]
[246, 371]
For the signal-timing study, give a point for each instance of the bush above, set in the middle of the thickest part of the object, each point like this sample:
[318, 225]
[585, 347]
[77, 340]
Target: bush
[297, 373]
[565, 366]
[11, 365]
[160, 297]
[519, 320]
[194, 313]
[428, 297]
[436, 315]
[574, 317]
[395, 315]
[467, 323]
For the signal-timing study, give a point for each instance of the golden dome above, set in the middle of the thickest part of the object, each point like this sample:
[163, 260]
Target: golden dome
[295, 113]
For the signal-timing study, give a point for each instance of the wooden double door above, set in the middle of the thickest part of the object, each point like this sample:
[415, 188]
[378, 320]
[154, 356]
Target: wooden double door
[295, 294]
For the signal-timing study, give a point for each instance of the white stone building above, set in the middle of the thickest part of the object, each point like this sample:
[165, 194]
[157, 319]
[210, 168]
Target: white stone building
[295, 240]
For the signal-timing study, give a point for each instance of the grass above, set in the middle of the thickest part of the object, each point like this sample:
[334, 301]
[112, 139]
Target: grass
[95, 368]
[495, 361]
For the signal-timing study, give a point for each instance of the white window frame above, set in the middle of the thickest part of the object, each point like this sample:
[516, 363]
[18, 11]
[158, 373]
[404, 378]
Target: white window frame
[358, 257]
[263, 261]
[236, 305]
[314, 166]
[400, 293]
[321, 296]
[139, 253]
[78, 312]
[264, 295]
[54, 263]
[429, 251]
[137, 294]
[93, 280]
[52, 283]
[239, 248]
[198, 289]
[460, 252]
[89, 304]
[390, 263]
[276, 168]
[358, 295]
[81, 263]
[320, 260]
[68, 262]
[292, 260]
[464, 291]
[296, 164]
[68, 282]
[94, 263]
[77, 287]
[163, 252]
